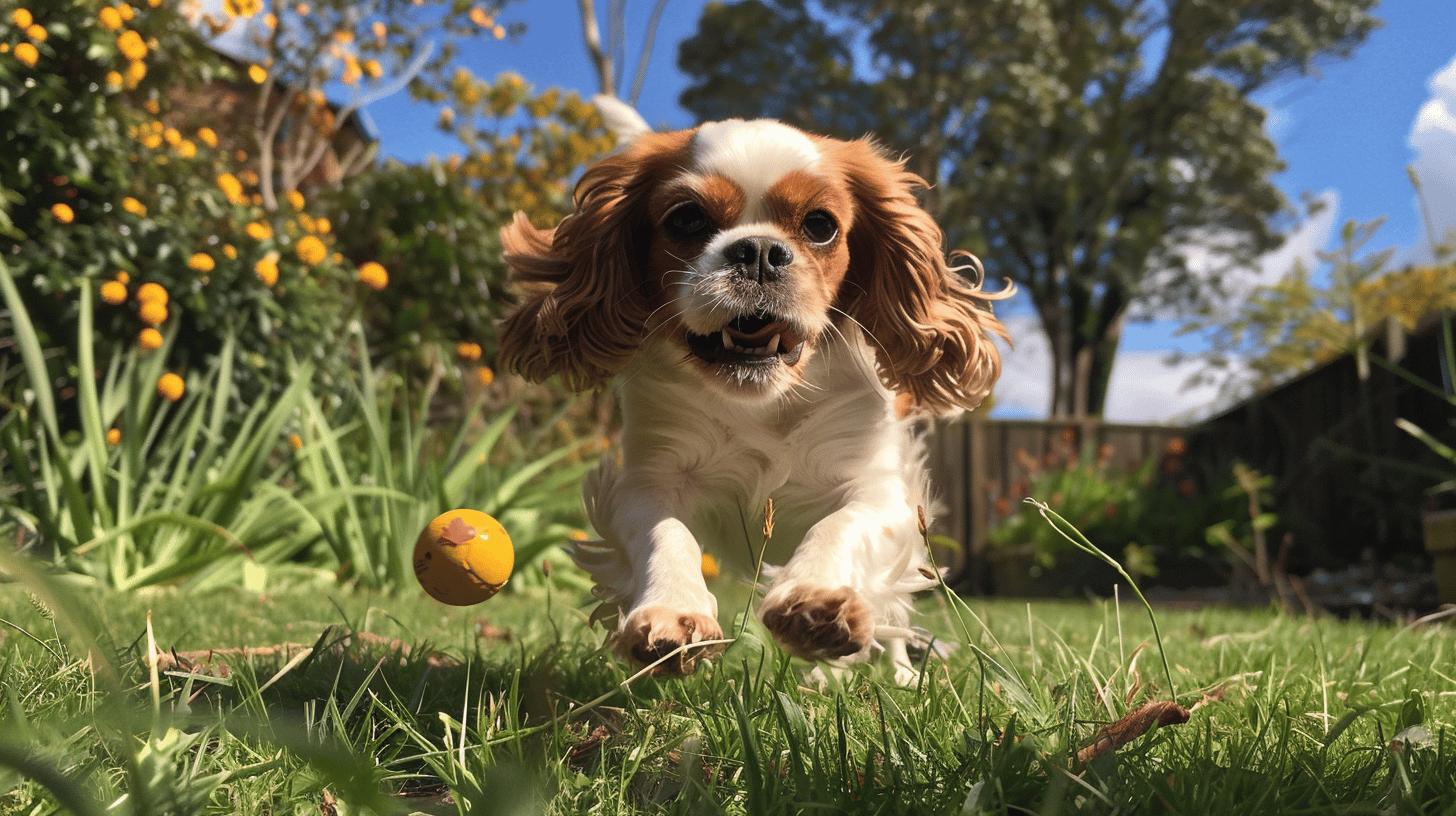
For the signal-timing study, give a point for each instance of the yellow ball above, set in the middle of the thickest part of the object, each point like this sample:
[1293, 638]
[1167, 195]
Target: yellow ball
[463, 557]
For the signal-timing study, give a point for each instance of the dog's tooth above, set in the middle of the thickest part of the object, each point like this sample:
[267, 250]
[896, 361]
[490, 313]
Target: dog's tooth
[727, 340]
[773, 345]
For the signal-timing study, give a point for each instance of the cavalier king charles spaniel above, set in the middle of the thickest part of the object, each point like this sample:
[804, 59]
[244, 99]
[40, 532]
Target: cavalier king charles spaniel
[775, 310]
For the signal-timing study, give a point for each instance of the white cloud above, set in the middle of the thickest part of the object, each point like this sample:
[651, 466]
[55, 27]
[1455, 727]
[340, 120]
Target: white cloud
[1145, 387]
[1433, 138]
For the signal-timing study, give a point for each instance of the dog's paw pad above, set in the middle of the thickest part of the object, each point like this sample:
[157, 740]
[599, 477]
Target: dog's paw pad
[817, 623]
[650, 633]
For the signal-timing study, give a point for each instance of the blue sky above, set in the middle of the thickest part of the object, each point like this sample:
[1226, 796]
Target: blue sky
[1345, 133]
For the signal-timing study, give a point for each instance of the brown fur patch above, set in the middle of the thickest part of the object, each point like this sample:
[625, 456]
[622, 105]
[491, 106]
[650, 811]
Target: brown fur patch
[816, 623]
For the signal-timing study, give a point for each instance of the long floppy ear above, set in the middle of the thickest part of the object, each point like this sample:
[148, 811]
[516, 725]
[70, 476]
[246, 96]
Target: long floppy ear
[584, 298]
[930, 327]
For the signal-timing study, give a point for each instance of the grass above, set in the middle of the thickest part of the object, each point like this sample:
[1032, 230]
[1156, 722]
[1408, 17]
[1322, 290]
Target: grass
[1290, 715]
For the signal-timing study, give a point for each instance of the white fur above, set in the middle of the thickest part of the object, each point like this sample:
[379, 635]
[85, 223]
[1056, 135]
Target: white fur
[622, 120]
[845, 474]
[753, 154]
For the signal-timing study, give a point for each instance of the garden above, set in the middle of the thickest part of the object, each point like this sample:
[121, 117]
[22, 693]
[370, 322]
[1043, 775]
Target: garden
[247, 355]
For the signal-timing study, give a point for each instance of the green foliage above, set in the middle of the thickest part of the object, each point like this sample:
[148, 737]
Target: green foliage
[206, 491]
[1155, 513]
[1079, 149]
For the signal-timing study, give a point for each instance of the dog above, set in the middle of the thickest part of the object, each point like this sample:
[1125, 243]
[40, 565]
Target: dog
[776, 311]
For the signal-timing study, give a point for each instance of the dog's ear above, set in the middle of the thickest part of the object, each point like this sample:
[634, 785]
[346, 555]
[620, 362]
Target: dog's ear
[584, 300]
[930, 327]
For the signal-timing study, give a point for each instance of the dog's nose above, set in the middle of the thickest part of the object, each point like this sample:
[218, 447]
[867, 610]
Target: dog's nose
[760, 257]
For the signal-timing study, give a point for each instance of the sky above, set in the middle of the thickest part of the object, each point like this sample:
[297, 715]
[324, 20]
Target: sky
[1347, 134]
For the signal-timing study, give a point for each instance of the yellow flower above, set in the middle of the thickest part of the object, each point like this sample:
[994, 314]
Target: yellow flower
[258, 231]
[151, 141]
[373, 275]
[151, 293]
[230, 252]
[242, 8]
[295, 199]
[133, 206]
[352, 71]
[127, 12]
[207, 136]
[373, 69]
[187, 149]
[113, 292]
[202, 262]
[122, 276]
[295, 441]
[114, 80]
[136, 71]
[469, 352]
[257, 73]
[110, 19]
[171, 387]
[484, 375]
[479, 16]
[380, 31]
[150, 339]
[231, 187]
[63, 213]
[152, 313]
[37, 33]
[113, 437]
[710, 566]
[27, 54]
[322, 226]
[172, 136]
[578, 535]
[22, 18]
[270, 20]
[131, 45]
[311, 250]
[267, 269]
[499, 32]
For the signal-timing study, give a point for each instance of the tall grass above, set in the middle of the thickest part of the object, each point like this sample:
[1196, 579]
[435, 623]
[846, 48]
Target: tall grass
[208, 491]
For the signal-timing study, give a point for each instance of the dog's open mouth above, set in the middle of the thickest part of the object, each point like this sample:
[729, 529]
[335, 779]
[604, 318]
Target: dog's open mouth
[749, 340]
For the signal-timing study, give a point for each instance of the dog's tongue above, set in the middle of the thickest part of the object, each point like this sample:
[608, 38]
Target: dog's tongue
[758, 336]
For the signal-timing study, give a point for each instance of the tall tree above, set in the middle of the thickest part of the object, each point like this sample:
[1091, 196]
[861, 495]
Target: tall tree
[1084, 148]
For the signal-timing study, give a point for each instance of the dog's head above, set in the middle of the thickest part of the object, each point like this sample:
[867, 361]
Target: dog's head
[747, 244]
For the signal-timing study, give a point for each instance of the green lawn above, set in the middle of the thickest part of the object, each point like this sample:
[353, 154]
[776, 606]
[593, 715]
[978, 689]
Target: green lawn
[1296, 715]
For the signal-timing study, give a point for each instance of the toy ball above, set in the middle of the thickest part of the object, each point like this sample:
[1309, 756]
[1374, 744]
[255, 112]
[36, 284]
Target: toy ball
[463, 557]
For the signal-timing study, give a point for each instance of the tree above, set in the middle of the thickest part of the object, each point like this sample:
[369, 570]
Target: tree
[1083, 148]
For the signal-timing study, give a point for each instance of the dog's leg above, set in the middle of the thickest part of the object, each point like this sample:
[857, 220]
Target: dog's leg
[843, 580]
[668, 604]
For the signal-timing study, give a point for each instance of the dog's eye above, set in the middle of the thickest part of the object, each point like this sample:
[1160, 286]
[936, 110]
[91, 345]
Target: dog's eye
[819, 227]
[687, 221]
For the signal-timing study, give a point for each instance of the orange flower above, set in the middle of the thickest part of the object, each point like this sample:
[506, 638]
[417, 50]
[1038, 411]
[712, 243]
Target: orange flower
[133, 206]
[114, 79]
[151, 293]
[113, 292]
[27, 54]
[187, 149]
[37, 33]
[469, 352]
[258, 231]
[150, 339]
[257, 73]
[295, 199]
[373, 69]
[578, 535]
[202, 262]
[171, 386]
[63, 213]
[22, 18]
[122, 276]
[484, 375]
[311, 250]
[295, 440]
[113, 437]
[136, 71]
[110, 19]
[153, 313]
[207, 136]
[131, 45]
[231, 187]
[267, 269]
[373, 275]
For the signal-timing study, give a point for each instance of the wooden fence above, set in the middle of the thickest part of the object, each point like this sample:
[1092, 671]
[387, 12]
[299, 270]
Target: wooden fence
[974, 462]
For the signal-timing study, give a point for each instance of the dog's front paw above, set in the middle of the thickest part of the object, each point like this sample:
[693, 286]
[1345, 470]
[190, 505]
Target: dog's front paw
[651, 632]
[818, 623]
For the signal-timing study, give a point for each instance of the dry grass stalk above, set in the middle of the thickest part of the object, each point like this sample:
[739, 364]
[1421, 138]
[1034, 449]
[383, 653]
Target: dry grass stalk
[1133, 725]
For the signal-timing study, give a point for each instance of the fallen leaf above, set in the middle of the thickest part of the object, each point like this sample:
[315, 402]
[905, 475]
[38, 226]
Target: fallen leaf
[1133, 725]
